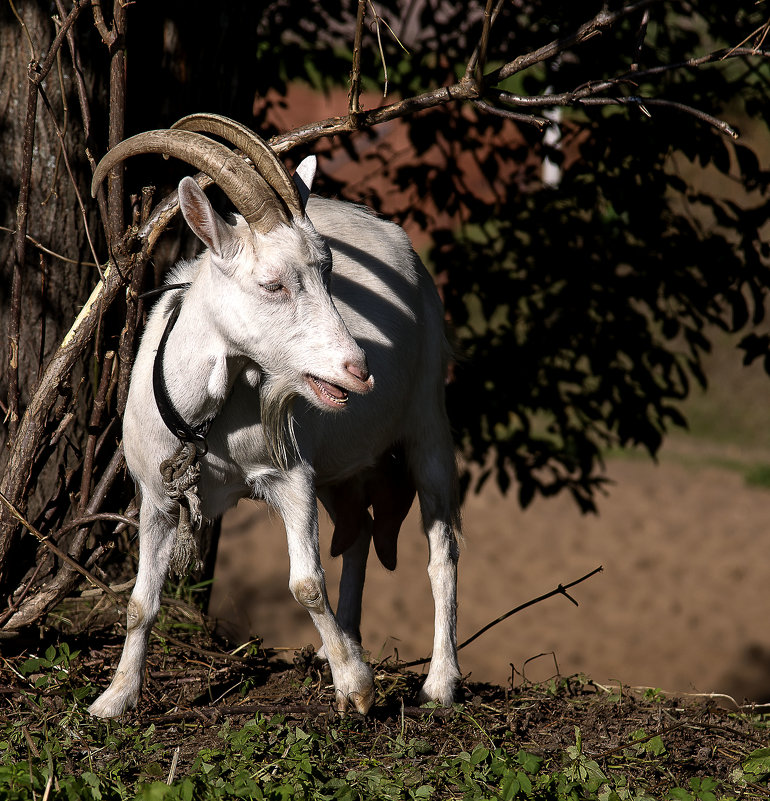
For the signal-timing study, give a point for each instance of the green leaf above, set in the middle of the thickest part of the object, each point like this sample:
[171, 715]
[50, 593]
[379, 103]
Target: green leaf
[758, 762]
[479, 755]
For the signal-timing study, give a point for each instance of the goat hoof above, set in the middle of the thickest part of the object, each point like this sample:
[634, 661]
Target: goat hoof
[442, 693]
[120, 696]
[361, 702]
[107, 706]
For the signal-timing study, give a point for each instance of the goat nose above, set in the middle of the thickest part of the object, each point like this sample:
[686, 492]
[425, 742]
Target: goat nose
[359, 369]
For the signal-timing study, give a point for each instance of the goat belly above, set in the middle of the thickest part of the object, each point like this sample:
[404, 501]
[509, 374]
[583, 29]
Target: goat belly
[389, 490]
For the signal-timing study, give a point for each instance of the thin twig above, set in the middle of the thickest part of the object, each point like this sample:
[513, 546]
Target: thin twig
[377, 20]
[470, 69]
[65, 124]
[50, 252]
[97, 410]
[640, 37]
[484, 43]
[117, 121]
[134, 309]
[73, 181]
[642, 102]
[764, 28]
[25, 29]
[20, 255]
[354, 107]
[108, 36]
[560, 590]
[22, 595]
[43, 313]
[58, 552]
[108, 517]
[539, 122]
[601, 22]
[41, 73]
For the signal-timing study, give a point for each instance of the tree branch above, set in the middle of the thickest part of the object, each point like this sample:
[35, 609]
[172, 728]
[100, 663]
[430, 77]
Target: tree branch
[560, 590]
[601, 22]
[354, 107]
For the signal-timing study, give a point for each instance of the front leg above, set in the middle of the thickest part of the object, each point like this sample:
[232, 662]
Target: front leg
[156, 542]
[293, 495]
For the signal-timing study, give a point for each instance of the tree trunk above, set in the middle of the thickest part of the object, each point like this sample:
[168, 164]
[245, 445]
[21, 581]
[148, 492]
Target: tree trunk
[49, 288]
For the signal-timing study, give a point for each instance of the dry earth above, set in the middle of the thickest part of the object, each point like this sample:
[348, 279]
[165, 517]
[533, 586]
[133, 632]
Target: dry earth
[681, 604]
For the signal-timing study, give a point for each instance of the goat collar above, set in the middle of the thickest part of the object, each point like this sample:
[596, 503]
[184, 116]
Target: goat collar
[174, 421]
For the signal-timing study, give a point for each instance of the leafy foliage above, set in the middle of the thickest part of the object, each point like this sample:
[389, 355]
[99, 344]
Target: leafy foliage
[581, 312]
[490, 747]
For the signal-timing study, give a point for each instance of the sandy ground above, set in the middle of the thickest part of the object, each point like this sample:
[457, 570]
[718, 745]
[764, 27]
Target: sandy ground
[681, 604]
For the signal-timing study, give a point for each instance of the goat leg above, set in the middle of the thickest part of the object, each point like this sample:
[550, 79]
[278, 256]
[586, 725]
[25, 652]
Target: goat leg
[156, 541]
[294, 497]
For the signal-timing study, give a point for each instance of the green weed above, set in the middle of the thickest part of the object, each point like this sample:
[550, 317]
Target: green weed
[50, 748]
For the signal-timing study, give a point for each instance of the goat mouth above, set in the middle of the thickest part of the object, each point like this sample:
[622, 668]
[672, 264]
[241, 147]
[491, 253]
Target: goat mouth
[328, 393]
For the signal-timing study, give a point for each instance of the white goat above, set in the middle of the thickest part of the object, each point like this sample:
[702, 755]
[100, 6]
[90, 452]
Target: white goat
[268, 344]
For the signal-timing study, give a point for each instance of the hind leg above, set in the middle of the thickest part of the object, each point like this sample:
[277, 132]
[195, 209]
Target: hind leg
[435, 475]
[352, 584]
[156, 540]
[352, 537]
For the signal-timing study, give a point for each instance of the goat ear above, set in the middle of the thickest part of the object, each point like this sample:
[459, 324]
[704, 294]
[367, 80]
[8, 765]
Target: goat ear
[304, 175]
[205, 223]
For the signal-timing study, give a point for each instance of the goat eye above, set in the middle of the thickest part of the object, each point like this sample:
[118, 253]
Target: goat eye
[275, 286]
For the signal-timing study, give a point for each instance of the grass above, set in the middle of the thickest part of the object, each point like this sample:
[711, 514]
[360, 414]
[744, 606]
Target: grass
[278, 738]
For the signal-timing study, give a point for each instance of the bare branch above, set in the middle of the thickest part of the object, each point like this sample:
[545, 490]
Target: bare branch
[642, 102]
[484, 43]
[20, 256]
[528, 119]
[100, 401]
[75, 187]
[560, 590]
[117, 121]
[354, 107]
[25, 29]
[101, 517]
[640, 37]
[601, 22]
[43, 249]
[57, 551]
[42, 72]
[470, 69]
[377, 20]
[108, 36]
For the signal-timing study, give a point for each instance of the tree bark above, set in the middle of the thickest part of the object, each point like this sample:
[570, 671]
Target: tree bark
[50, 289]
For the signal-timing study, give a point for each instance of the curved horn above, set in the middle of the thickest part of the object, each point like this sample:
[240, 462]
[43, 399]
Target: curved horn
[248, 191]
[267, 164]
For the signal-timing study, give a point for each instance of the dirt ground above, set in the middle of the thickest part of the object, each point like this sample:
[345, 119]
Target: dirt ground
[681, 604]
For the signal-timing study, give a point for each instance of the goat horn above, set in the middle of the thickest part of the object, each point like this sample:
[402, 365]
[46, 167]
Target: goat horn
[249, 192]
[262, 156]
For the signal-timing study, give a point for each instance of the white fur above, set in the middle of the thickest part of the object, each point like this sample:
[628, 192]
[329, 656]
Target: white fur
[236, 347]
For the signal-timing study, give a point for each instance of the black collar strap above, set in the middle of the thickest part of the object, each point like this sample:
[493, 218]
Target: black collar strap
[151, 293]
[171, 417]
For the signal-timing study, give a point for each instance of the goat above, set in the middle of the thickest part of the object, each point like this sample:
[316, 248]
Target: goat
[309, 381]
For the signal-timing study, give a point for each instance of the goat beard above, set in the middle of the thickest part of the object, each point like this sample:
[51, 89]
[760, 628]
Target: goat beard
[277, 398]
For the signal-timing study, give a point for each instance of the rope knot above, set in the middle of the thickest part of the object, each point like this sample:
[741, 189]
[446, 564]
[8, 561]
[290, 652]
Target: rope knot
[180, 481]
